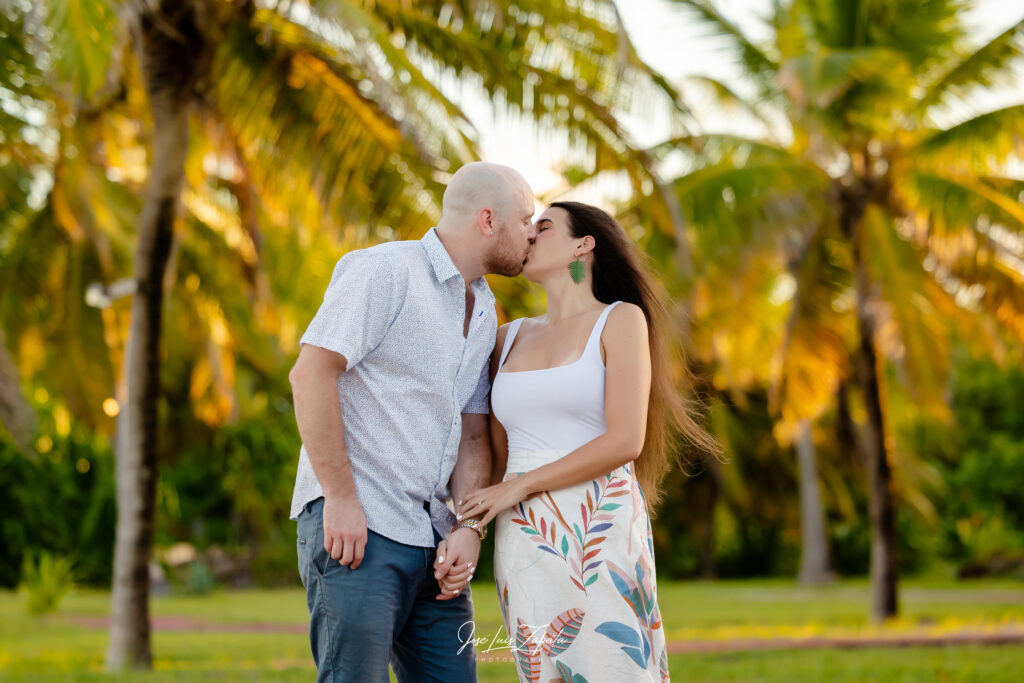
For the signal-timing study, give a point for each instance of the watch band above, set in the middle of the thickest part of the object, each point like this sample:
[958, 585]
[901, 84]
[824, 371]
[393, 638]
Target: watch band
[473, 524]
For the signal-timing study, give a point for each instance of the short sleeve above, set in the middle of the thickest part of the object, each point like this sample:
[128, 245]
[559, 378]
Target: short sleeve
[479, 403]
[358, 307]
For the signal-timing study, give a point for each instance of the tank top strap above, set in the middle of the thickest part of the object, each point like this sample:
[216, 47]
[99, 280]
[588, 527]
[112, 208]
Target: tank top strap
[595, 335]
[510, 336]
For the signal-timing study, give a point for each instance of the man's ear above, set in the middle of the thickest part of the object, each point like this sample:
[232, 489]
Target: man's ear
[485, 222]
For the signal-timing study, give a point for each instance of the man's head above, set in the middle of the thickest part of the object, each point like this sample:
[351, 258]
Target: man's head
[491, 207]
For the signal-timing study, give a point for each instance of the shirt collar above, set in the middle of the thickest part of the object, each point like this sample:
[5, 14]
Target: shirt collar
[444, 267]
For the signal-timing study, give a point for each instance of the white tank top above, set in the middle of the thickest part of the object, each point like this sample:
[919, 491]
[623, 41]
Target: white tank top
[553, 409]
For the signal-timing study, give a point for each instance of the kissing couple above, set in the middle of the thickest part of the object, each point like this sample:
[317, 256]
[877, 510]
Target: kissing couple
[422, 421]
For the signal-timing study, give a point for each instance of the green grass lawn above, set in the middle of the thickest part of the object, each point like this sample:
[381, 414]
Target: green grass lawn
[61, 647]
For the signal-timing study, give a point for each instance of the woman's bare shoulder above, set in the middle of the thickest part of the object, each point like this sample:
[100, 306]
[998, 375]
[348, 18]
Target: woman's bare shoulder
[626, 317]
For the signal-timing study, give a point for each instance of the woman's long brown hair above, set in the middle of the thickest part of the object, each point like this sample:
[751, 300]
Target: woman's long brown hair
[619, 274]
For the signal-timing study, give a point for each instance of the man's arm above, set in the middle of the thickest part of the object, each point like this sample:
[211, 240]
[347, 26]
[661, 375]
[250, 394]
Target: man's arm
[318, 414]
[358, 308]
[473, 467]
[461, 549]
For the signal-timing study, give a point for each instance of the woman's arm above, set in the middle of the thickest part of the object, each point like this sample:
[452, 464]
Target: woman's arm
[627, 391]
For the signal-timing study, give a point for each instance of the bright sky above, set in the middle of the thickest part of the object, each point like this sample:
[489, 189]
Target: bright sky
[669, 40]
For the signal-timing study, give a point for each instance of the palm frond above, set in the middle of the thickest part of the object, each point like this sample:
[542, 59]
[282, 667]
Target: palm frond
[710, 149]
[310, 134]
[1011, 187]
[954, 203]
[919, 31]
[809, 360]
[25, 97]
[909, 330]
[741, 320]
[982, 143]
[816, 80]
[758, 63]
[729, 100]
[214, 295]
[736, 207]
[628, 57]
[575, 40]
[45, 315]
[984, 286]
[84, 36]
[361, 40]
[982, 68]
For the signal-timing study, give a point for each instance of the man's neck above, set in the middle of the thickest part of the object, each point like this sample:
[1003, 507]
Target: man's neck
[469, 267]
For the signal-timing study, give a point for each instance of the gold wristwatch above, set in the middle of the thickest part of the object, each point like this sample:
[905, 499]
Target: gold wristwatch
[473, 524]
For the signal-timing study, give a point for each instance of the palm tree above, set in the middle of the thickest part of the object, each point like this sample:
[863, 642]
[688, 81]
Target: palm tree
[311, 117]
[22, 82]
[814, 562]
[888, 199]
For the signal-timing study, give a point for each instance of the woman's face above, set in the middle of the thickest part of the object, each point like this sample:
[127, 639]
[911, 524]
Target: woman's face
[554, 247]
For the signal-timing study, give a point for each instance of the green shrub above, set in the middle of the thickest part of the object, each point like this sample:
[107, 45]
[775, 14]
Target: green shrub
[60, 501]
[198, 578]
[46, 579]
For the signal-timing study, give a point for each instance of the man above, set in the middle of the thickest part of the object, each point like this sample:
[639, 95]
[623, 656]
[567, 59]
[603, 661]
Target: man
[391, 398]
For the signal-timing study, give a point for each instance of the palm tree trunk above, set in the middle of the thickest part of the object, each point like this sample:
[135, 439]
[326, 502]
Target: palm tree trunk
[170, 47]
[707, 542]
[15, 413]
[881, 501]
[814, 564]
[136, 457]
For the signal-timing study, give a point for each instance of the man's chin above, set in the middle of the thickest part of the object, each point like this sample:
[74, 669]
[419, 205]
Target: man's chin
[511, 269]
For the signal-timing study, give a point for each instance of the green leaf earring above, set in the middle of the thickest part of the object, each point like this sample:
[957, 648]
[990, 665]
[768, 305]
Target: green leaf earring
[576, 271]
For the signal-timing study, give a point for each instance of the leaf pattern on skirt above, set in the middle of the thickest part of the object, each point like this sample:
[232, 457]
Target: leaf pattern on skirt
[607, 611]
[562, 631]
[527, 654]
[579, 547]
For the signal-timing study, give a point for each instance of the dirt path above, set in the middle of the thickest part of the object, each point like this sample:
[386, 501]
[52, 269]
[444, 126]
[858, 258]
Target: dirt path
[1003, 634]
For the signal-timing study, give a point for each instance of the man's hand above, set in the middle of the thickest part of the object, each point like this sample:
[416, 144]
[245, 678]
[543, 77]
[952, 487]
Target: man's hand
[456, 561]
[345, 530]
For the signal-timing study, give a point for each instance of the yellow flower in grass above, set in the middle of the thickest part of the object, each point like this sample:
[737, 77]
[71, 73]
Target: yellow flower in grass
[894, 628]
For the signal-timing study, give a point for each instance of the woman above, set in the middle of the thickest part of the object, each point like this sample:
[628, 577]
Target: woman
[583, 413]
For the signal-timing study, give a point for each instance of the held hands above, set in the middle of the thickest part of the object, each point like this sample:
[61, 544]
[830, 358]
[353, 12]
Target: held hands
[456, 561]
[457, 556]
[345, 530]
[487, 503]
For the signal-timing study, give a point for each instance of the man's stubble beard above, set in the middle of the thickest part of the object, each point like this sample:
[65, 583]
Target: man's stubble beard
[503, 258]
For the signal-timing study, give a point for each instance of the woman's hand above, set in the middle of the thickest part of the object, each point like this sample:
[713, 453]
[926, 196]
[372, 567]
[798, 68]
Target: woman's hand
[455, 562]
[486, 504]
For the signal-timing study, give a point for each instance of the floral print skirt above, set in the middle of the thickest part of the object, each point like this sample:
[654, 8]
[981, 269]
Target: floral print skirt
[576, 581]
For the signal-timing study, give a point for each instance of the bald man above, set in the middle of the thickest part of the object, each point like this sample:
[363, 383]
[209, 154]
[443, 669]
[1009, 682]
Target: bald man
[391, 394]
